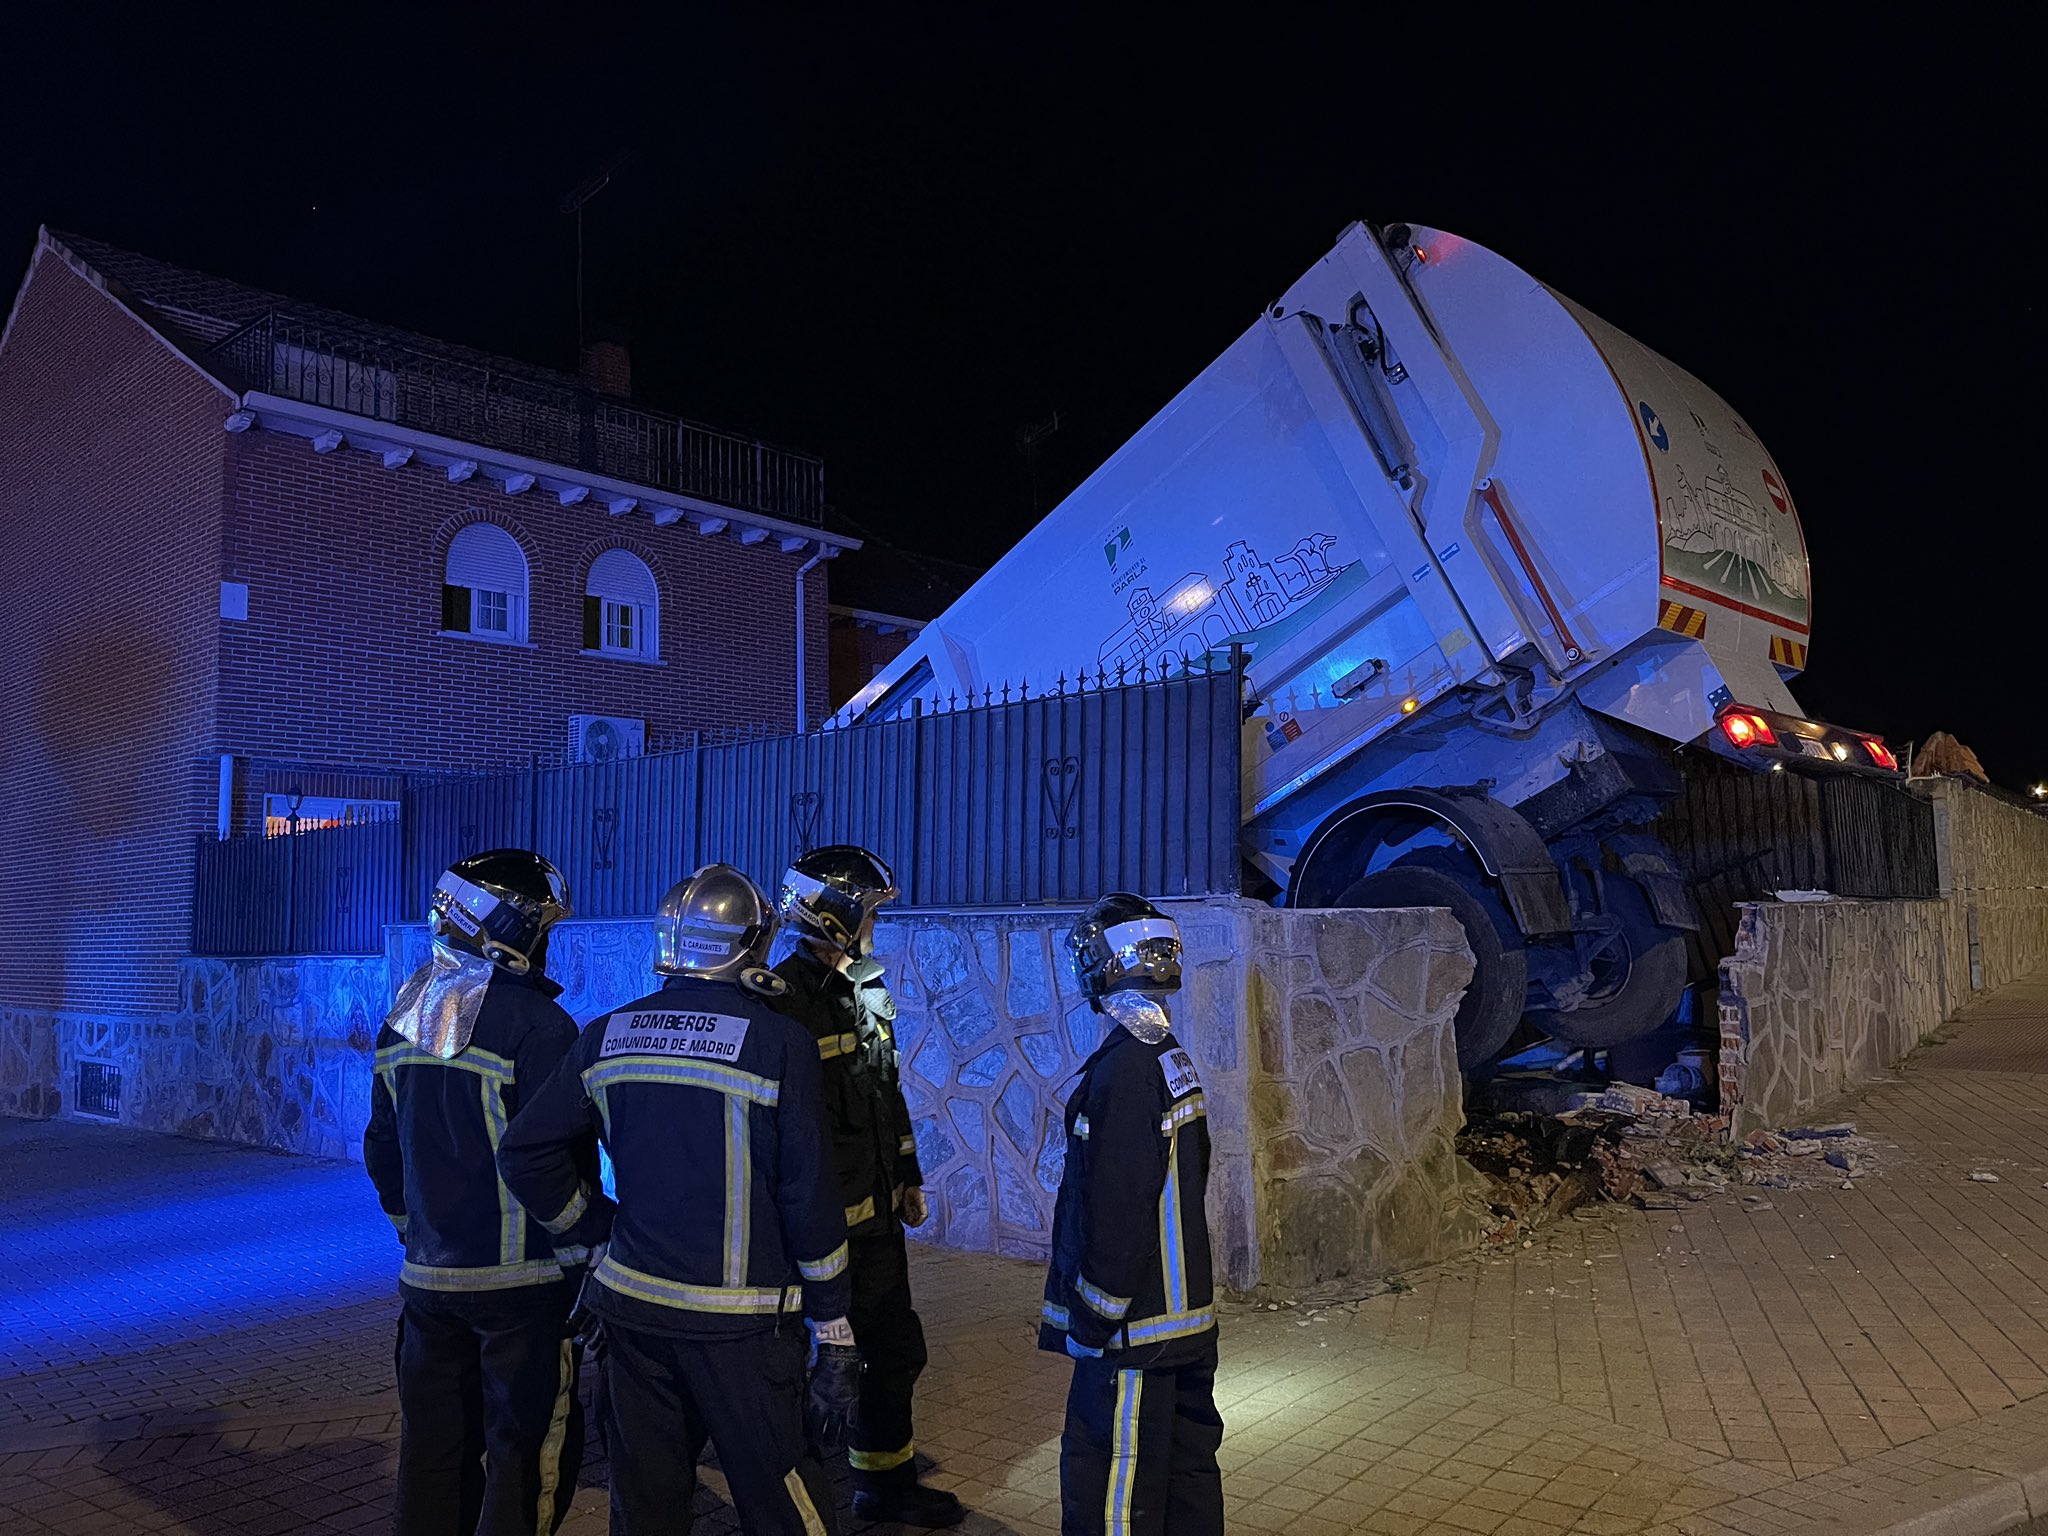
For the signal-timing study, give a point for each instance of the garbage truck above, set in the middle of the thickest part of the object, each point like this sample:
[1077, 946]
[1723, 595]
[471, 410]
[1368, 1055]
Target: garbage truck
[1486, 563]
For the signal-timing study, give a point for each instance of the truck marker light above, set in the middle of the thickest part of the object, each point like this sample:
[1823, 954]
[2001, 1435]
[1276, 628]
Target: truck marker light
[1841, 753]
[1880, 754]
[1409, 706]
[1746, 730]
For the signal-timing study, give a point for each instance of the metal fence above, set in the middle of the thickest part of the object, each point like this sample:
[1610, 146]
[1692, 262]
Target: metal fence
[369, 373]
[1044, 800]
[1740, 836]
[323, 892]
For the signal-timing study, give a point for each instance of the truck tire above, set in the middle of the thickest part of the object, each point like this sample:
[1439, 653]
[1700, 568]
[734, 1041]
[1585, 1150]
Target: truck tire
[1636, 995]
[1443, 877]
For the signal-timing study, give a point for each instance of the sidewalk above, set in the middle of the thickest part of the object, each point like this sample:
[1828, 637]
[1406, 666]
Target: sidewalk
[198, 1340]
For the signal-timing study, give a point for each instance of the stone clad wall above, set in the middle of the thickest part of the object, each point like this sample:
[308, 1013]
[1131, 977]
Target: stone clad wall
[1325, 1044]
[1356, 1095]
[1324, 1041]
[1820, 997]
[1994, 872]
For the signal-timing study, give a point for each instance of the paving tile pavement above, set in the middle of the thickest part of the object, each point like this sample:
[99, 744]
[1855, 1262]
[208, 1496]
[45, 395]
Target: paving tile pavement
[198, 1341]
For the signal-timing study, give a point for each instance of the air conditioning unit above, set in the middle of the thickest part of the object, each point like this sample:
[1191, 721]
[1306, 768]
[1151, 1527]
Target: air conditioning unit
[601, 738]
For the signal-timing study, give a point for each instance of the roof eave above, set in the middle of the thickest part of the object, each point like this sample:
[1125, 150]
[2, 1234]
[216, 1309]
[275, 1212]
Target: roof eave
[322, 424]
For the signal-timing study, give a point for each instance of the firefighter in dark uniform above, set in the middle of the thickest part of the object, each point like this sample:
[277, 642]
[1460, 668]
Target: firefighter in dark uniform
[491, 1432]
[727, 1234]
[1128, 1293]
[829, 899]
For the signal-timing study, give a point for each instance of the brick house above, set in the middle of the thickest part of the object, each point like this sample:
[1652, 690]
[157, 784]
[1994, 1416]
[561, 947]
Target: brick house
[881, 598]
[252, 550]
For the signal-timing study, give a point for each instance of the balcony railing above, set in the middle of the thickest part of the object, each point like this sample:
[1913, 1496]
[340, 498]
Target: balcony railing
[557, 422]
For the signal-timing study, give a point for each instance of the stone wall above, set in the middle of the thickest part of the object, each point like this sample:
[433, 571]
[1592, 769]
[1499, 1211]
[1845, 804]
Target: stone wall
[1994, 874]
[1326, 1049]
[1820, 997]
[1324, 1040]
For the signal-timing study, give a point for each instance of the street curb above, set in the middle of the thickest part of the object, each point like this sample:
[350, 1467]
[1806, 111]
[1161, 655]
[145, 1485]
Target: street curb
[1972, 1503]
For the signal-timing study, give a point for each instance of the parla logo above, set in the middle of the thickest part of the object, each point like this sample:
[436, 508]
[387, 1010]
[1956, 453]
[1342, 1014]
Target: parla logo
[1115, 545]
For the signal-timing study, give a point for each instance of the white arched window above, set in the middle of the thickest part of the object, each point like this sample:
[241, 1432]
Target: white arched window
[621, 609]
[484, 591]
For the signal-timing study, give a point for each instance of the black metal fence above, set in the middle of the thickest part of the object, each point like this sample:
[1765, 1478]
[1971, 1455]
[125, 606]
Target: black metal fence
[1740, 836]
[1043, 800]
[527, 411]
[324, 892]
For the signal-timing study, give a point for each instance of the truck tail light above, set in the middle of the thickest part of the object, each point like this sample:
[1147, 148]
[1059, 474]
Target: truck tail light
[1881, 754]
[1745, 730]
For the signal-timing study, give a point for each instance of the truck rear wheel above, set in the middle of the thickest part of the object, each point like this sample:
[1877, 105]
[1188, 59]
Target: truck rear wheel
[1637, 978]
[1443, 877]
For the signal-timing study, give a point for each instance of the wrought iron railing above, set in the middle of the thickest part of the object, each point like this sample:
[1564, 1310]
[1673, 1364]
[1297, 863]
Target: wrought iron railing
[554, 420]
[1049, 798]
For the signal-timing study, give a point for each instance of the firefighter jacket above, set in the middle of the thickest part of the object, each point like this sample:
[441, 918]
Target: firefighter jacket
[873, 1149]
[431, 1147]
[708, 1101]
[1130, 1242]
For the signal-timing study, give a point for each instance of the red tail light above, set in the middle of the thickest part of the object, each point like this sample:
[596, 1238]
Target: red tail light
[1745, 730]
[1881, 754]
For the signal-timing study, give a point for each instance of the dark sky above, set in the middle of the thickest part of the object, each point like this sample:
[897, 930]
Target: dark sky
[896, 244]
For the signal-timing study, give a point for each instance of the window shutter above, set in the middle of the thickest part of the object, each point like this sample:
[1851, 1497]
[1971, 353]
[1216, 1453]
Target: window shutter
[455, 608]
[593, 623]
[487, 558]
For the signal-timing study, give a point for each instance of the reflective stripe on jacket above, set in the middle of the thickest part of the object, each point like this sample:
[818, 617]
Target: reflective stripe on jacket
[1130, 1250]
[873, 1148]
[707, 1100]
[431, 1146]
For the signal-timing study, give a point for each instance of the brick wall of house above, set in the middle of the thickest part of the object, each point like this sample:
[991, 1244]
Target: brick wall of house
[341, 660]
[859, 651]
[111, 457]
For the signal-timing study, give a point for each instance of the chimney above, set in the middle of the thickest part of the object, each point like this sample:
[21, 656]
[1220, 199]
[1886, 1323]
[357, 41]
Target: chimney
[607, 365]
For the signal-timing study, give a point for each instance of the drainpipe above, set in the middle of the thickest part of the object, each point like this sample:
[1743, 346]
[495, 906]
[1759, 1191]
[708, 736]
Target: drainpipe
[802, 639]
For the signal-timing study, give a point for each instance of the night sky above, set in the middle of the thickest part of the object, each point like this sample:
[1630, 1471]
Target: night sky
[896, 245]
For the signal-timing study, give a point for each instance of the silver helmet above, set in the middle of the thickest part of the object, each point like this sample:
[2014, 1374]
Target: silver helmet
[1124, 944]
[716, 926]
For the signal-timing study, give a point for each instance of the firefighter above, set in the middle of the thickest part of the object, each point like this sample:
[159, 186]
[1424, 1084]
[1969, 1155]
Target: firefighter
[1128, 1293]
[727, 1234]
[829, 899]
[491, 1432]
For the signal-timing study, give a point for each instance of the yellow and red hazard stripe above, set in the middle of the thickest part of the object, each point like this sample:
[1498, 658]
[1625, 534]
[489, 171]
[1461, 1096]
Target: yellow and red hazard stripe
[1787, 652]
[1676, 617]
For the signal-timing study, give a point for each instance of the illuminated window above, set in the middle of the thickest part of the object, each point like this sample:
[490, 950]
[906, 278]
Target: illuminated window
[313, 812]
[484, 591]
[621, 607]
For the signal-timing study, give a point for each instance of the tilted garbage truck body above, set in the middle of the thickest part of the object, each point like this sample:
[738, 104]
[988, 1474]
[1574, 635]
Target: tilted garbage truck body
[1487, 560]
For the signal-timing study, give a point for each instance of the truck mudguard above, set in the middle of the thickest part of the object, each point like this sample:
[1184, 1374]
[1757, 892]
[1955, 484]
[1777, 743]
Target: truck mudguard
[1507, 847]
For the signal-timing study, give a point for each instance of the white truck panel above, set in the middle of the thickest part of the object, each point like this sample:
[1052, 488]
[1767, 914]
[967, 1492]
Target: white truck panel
[1567, 492]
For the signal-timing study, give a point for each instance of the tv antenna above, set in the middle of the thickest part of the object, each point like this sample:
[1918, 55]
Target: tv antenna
[1029, 437]
[572, 202]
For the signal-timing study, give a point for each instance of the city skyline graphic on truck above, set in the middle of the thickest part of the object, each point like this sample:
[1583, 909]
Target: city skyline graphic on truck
[1196, 614]
[1719, 537]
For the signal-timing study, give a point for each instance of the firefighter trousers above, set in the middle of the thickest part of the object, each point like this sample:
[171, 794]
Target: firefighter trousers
[662, 1396]
[490, 1429]
[881, 1445]
[1138, 1457]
